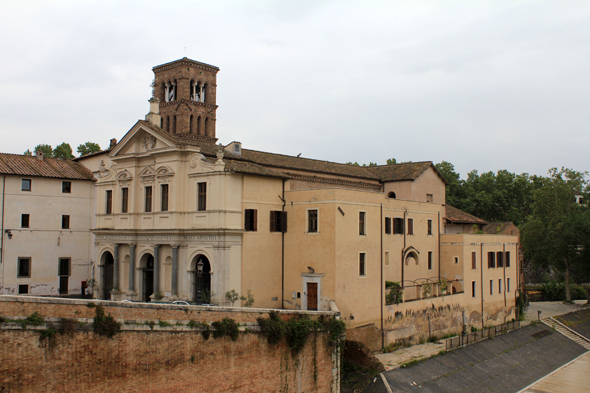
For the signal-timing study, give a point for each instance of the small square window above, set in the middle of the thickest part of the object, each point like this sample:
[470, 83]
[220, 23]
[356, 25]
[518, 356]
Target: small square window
[26, 185]
[66, 187]
[278, 221]
[24, 268]
[429, 198]
[24, 221]
[65, 222]
[23, 289]
[456, 260]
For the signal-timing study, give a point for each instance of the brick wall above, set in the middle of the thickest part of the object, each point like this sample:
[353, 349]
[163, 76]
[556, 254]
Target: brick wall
[166, 359]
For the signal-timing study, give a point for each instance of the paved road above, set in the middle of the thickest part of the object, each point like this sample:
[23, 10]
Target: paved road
[507, 363]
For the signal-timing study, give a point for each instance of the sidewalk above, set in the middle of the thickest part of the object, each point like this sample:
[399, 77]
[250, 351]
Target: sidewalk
[396, 358]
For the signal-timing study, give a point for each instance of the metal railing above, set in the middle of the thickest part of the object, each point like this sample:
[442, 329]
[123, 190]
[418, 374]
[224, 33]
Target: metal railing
[473, 337]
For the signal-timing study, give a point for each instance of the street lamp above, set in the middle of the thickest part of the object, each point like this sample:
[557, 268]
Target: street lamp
[199, 281]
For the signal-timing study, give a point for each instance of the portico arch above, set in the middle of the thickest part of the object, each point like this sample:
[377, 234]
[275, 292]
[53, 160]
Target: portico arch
[107, 266]
[146, 265]
[204, 283]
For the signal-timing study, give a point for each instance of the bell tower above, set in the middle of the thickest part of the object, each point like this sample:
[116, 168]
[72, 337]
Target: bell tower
[187, 90]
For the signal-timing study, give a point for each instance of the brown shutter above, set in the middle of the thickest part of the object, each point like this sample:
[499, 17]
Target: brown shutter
[283, 221]
[272, 221]
[254, 220]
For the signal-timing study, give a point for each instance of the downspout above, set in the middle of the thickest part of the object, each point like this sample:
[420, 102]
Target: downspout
[283, 253]
[404, 249]
[504, 270]
[382, 283]
[2, 233]
[438, 230]
[481, 285]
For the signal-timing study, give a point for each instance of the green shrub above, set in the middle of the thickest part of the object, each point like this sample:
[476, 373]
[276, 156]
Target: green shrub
[394, 296]
[163, 323]
[554, 291]
[272, 327]
[105, 325]
[192, 324]
[226, 327]
[68, 327]
[296, 333]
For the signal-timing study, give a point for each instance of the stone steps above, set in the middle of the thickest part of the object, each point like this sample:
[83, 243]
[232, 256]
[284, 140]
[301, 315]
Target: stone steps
[569, 333]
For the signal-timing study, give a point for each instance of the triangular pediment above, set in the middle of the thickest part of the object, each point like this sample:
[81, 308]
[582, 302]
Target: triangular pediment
[142, 139]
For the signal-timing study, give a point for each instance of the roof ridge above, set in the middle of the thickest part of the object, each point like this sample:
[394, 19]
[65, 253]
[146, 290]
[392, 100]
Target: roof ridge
[304, 158]
[402, 163]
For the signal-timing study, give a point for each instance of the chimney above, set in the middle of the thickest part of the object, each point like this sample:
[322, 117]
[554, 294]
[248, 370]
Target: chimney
[39, 155]
[154, 117]
[113, 143]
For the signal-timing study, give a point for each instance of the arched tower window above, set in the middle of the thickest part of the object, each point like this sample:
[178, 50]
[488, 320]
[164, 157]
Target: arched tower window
[391, 195]
[203, 91]
[190, 124]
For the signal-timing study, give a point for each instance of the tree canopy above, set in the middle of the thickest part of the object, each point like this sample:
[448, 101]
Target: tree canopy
[87, 148]
[64, 150]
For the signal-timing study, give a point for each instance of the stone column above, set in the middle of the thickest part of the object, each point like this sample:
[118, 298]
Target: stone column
[156, 268]
[116, 268]
[175, 269]
[132, 268]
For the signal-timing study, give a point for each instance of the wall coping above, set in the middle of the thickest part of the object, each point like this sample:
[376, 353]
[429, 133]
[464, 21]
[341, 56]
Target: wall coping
[157, 306]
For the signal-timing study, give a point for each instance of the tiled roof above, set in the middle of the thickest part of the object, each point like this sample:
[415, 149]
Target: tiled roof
[494, 228]
[457, 216]
[251, 169]
[16, 164]
[285, 163]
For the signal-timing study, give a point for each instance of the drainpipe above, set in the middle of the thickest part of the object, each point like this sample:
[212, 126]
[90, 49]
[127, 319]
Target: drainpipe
[404, 249]
[504, 271]
[2, 233]
[481, 285]
[283, 253]
[382, 283]
[438, 230]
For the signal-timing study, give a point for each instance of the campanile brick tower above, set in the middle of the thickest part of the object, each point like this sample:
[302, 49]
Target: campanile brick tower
[186, 90]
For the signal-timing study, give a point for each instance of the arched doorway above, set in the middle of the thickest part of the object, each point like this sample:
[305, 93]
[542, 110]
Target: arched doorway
[202, 283]
[108, 267]
[147, 276]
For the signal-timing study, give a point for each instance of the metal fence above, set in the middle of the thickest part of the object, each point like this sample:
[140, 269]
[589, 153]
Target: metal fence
[473, 337]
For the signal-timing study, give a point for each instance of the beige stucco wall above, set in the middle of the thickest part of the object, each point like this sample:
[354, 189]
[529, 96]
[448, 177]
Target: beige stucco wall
[427, 183]
[45, 242]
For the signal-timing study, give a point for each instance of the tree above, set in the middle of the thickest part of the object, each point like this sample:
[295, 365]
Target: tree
[87, 148]
[28, 153]
[454, 192]
[63, 151]
[46, 149]
[556, 233]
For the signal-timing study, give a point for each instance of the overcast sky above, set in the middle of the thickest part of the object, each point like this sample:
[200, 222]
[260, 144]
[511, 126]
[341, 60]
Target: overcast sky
[484, 85]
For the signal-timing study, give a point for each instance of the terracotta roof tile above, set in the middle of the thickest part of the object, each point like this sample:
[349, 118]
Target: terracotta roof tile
[251, 169]
[16, 164]
[457, 216]
[494, 228]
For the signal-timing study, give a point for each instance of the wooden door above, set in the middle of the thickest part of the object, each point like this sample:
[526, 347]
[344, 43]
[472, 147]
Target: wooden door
[63, 285]
[312, 296]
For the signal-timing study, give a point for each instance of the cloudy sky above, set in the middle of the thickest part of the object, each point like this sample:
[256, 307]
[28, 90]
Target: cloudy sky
[485, 85]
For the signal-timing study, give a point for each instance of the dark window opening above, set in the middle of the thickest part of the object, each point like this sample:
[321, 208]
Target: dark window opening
[430, 227]
[278, 221]
[362, 260]
[65, 222]
[202, 197]
[507, 258]
[66, 187]
[362, 223]
[391, 195]
[500, 259]
[124, 200]
[500, 286]
[312, 221]
[473, 260]
[164, 189]
[491, 287]
[491, 260]
[410, 226]
[64, 267]
[24, 267]
[24, 220]
[109, 202]
[26, 185]
[398, 226]
[23, 289]
[429, 260]
[388, 225]
[472, 288]
[148, 199]
[251, 220]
